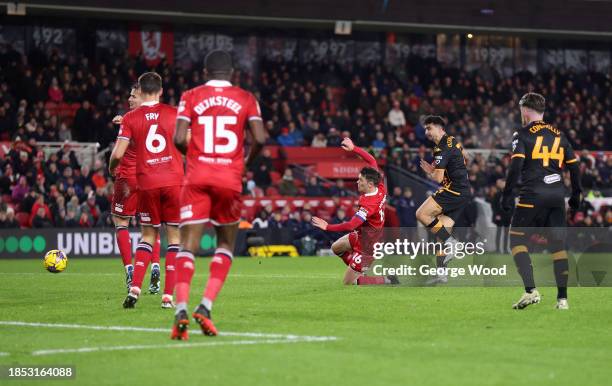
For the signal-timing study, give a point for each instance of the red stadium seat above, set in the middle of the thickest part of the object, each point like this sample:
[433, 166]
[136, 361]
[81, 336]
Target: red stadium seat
[272, 191]
[275, 176]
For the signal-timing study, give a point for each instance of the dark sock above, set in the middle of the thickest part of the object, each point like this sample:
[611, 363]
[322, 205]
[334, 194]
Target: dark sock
[525, 269]
[440, 261]
[439, 232]
[561, 268]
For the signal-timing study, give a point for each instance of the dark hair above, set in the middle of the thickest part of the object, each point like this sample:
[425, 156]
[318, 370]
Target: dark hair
[218, 61]
[371, 175]
[150, 83]
[533, 101]
[135, 86]
[433, 120]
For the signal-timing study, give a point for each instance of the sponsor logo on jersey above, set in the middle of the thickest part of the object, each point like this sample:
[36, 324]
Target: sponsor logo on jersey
[552, 178]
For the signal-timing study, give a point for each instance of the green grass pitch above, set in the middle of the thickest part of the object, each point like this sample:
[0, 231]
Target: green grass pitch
[384, 335]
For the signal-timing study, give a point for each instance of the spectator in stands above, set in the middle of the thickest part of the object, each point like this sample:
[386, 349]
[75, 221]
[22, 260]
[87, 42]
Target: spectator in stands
[7, 180]
[379, 143]
[286, 138]
[90, 208]
[339, 190]
[7, 219]
[314, 188]
[319, 140]
[85, 221]
[99, 178]
[55, 92]
[20, 190]
[500, 218]
[396, 116]
[405, 206]
[262, 165]
[82, 122]
[333, 138]
[41, 219]
[28, 202]
[261, 221]
[38, 205]
[276, 220]
[102, 200]
[71, 219]
[287, 185]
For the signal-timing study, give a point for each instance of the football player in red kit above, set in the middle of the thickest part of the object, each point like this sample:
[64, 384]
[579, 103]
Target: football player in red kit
[366, 226]
[218, 114]
[159, 171]
[125, 203]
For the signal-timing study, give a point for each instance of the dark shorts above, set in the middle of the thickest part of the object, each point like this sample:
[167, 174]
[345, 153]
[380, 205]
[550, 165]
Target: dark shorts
[451, 202]
[532, 214]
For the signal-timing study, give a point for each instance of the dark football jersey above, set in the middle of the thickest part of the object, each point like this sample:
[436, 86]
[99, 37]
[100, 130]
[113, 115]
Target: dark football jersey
[448, 155]
[545, 150]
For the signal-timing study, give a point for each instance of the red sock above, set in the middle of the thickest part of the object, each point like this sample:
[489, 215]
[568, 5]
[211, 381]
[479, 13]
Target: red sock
[143, 257]
[184, 273]
[156, 250]
[219, 268]
[370, 280]
[170, 277]
[125, 244]
[346, 257]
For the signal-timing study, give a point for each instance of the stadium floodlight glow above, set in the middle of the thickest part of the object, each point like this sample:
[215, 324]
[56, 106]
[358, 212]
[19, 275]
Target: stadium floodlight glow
[469, 36]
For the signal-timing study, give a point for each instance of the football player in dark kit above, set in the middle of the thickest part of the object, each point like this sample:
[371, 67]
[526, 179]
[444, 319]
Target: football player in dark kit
[440, 211]
[539, 153]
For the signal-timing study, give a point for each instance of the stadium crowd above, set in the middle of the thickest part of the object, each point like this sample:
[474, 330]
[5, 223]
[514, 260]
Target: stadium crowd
[60, 99]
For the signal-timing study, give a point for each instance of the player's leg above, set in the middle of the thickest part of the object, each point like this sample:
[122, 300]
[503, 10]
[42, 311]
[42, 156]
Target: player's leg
[144, 252]
[125, 246]
[225, 216]
[123, 208]
[519, 237]
[219, 267]
[556, 236]
[173, 235]
[195, 204]
[342, 248]
[429, 214]
[154, 285]
[171, 216]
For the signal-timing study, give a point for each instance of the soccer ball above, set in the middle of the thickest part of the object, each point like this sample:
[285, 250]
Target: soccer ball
[55, 261]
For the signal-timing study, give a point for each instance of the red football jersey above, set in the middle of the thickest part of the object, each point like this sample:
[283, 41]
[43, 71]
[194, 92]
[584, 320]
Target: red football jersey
[372, 208]
[218, 114]
[127, 166]
[151, 128]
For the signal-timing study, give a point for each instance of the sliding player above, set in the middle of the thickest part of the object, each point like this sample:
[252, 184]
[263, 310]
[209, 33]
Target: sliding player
[539, 151]
[159, 170]
[218, 114]
[125, 202]
[440, 211]
[356, 247]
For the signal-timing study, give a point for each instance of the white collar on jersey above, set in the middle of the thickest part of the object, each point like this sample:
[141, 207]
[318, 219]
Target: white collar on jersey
[150, 103]
[218, 83]
[375, 192]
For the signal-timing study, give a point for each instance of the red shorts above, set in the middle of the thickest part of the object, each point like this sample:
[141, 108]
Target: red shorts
[125, 197]
[159, 205]
[203, 203]
[358, 261]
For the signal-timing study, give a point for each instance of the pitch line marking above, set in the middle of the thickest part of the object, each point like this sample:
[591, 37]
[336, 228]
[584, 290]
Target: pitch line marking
[180, 345]
[4, 354]
[287, 337]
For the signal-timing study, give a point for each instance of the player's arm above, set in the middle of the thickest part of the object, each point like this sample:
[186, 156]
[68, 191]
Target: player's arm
[573, 167]
[514, 171]
[346, 226]
[118, 151]
[259, 139]
[181, 135]
[435, 170]
[348, 145]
